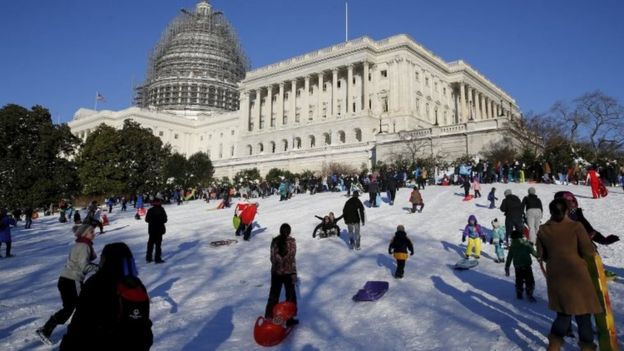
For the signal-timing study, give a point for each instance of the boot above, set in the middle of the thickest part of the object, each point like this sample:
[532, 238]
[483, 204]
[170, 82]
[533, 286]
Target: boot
[554, 342]
[587, 346]
[8, 249]
[48, 327]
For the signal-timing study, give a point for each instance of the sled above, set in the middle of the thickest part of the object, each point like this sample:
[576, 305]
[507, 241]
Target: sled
[142, 211]
[378, 200]
[605, 322]
[466, 263]
[189, 196]
[372, 290]
[221, 205]
[236, 221]
[248, 214]
[468, 198]
[219, 243]
[271, 332]
[602, 190]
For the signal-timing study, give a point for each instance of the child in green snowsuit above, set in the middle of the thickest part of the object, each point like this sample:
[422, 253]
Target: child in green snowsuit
[498, 238]
[520, 253]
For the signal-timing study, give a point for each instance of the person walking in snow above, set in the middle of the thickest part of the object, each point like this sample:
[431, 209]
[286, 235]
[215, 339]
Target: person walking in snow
[492, 198]
[497, 239]
[565, 246]
[512, 208]
[156, 218]
[5, 231]
[466, 185]
[416, 200]
[353, 214]
[283, 270]
[391, 187]
[399, 245]
[475, 236]
[532, 206]
[373, 189]
[520, 253]
[593, 179]
[28, 213]
[79, 264]
[476, 186]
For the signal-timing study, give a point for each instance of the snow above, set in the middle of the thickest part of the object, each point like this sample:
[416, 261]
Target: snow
[206, 298]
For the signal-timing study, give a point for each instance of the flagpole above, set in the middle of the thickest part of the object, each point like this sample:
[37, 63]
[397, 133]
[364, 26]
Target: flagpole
[95, 102]
[346, 21]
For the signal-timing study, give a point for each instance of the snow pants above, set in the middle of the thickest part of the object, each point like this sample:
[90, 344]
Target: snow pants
[524, 280]
[354, 235]
[69, 290]
[534, 219]
[400, 269]
[154, 241]
[512, 224]
[415, 207]
[277, 280]
[372, 197]
[476, 244]
[562, 323]
[391, 195]
[499, 250]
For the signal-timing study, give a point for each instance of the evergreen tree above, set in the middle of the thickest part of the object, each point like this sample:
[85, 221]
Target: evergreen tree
[200, 169]
[36, 166]
[176, 171]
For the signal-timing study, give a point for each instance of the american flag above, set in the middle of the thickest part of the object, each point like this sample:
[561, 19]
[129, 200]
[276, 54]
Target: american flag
[99, 97]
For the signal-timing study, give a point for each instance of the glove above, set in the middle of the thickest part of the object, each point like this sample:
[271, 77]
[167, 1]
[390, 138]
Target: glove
[411, 253]
[463, 239]
[483, 239]
[507, 271]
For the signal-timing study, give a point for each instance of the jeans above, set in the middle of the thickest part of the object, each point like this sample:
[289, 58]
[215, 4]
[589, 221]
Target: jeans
[155, 240]
[354, 234]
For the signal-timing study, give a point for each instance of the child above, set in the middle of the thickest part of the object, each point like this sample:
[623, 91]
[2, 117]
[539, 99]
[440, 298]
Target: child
[328, 226]
[520, 253]
[498, 238]
[475, 236]
[398, 247]
[476, 185]
[492, 198]
[416, 200]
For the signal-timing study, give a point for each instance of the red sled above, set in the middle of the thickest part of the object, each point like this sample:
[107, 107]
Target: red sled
[270, 332]
[142, 211]
[105, 220]
[248, 214]
[603, 190]
[468, 198]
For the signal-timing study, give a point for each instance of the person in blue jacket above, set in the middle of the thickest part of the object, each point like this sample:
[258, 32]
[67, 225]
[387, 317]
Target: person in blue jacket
[5, 230]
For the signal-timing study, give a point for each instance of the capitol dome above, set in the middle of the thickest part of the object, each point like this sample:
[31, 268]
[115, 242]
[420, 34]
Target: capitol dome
[196, 65]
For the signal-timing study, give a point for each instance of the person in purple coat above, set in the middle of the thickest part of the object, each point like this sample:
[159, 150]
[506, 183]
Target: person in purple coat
[5, 230]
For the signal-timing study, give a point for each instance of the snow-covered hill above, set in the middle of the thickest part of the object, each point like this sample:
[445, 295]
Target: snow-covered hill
[206, 298]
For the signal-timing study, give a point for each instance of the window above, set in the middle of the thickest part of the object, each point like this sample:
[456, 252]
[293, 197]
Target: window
[384, 73]
[353, 80]
[232, 131]
[417, 76]
[175, 136]
[232, 151]
[339, 83]
[324, 86]
[384, 103]
[354, 107]
[312, 141]
[444, 91]
[161, 133]
[298, 93]
[342, 137]
[358, 134]
[426, 81]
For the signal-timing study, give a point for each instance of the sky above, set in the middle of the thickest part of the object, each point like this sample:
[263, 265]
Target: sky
[58, 54]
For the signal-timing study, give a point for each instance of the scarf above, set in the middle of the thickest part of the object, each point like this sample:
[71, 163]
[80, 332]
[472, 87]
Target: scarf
[93, 255]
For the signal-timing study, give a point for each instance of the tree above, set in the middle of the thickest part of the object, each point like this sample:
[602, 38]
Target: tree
[176, 171]
[36, 167]
[200, 169]
[247, 175]
[414, 147]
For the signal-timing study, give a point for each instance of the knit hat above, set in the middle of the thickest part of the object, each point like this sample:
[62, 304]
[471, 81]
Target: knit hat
[507, 192]
[531, 191]
[356, 193]
[400, 228]
[81, 229]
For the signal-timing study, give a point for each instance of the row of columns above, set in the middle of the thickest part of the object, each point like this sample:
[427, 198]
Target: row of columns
[475, 105]
[255, 120]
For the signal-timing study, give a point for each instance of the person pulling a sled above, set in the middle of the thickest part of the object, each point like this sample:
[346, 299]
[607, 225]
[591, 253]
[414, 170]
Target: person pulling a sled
[283, 271]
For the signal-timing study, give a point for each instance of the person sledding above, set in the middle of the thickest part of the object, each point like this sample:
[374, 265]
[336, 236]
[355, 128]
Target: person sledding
[475, 236]
[246, 211]
[327, 227]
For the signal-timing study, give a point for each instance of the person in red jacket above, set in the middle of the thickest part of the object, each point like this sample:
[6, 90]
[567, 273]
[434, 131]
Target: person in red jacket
[593, 178]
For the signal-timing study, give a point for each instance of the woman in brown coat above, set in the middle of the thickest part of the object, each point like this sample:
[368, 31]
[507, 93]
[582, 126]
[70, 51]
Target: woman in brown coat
[563, 244]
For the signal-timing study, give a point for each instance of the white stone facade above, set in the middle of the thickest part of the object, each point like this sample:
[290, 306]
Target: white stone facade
[347, 103]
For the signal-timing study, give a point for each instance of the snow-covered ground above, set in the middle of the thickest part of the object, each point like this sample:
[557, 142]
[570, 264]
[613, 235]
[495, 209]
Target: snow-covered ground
[206, 298]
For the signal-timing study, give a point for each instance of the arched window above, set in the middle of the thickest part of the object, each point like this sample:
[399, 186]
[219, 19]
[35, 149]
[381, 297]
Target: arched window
[284, 145]
[327, 138]
[342, 137]
[260, 148]
[312, 141]
[249, 150]
[297, 143]
[358, 134]
[272, 145]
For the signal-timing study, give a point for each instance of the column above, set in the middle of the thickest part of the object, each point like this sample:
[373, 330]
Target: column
[411, 92]
[349, 89]
[258, 108]
[366, 98]
[488, 111]
[319, 94]
[374, 84]
[280, 105]
[245, 110]
[481, 107]
[462, 97]
[334, 106]
[305, 111]
[269, 117]
[293, 99]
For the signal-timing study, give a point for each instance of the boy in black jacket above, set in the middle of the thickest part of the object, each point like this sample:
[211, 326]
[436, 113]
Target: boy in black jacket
[399, 246]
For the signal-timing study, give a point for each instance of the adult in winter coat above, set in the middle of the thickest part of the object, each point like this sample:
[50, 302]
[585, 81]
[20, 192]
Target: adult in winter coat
[398, 247]
[466, 186]
[97, 324]
[564, 245]
[283, 270]
[576, 214]
[532, 206]
[512, 208]
[79, 264]
[28, 213]
[5, 231]
[593, 179]
[373, 189]
[391, 187]
[156, 218]
[353, 214]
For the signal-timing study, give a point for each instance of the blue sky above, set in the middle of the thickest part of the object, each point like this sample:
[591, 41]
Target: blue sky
[59, 53]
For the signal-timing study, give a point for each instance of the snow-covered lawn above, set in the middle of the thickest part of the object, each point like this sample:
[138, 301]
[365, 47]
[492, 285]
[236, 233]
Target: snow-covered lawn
[206, 298]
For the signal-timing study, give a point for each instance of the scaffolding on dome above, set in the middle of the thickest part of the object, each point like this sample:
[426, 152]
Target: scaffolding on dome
[196, 64]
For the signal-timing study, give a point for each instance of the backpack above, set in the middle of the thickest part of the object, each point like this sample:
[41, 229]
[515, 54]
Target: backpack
[134, 326]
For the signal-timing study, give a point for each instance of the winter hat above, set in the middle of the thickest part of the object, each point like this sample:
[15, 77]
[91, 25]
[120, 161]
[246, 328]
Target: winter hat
[507, 192]
[495, 223]
[81, 229]
[356, 193]
[531, 191]
[516, 234]
[400, 228]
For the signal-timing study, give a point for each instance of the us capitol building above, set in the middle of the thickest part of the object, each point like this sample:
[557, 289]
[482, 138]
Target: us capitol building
[355, 102]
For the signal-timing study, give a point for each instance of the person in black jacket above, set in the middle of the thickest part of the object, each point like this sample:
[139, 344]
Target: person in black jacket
[391, 187]
[532, 206]
[353, 214]
[373, 189]
[512, 208]
[398, 247]
[156, 218]
[96, 324]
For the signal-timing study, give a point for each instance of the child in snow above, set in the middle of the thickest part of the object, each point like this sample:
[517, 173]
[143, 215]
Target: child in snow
[475, 237]
[328, 226]
[520, 253]
[498, 239]
[492, 198]
[416, 200]
[476, 185]
[399, 246]
[5, 230]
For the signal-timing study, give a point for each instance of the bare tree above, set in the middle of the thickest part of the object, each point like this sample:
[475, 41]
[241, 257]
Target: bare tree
[603, 119]
[414, 147]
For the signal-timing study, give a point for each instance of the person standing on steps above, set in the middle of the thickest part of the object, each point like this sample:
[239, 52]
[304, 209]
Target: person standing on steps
[156, 218]
[79, 264]
[353, 214]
